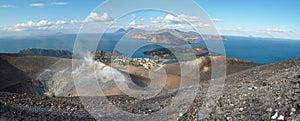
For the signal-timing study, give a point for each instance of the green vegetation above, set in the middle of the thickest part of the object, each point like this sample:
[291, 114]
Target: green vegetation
[135, 63]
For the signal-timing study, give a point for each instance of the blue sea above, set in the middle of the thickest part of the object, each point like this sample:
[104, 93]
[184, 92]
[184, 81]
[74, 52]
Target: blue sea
[259, 50]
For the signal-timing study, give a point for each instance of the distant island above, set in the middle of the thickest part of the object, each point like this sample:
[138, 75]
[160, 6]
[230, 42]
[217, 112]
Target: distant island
[47, 52]
[168, 36]
[168, 53]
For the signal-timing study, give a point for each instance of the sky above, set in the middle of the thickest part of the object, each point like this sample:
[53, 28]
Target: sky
[258, 18]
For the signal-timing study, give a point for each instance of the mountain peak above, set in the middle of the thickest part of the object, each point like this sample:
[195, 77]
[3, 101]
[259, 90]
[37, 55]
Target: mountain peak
[121, 31]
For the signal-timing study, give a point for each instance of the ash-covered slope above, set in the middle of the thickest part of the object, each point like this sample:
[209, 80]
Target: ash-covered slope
[267, 92]
[30, 67]
[38, 75]
[10, 74]
[44, 74]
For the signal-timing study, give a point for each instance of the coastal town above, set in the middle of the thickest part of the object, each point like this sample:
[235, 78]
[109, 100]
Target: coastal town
[119, 59]
[158, 57]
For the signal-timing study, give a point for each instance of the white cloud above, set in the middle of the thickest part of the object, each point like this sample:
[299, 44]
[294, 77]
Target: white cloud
[44, 23]
[169, 19]
[217, 19]
[38, 5]
[132, 23]
[156, 20]
[29, 23]
[18, 30]
[279, 30]
[43, 4]
[40, 25]
[180, 19]
[133, 16]
[95, 17]
[76, 21]
[7, 6]
[192, 19]
[156, 27]
[59, 3]
[59, 24]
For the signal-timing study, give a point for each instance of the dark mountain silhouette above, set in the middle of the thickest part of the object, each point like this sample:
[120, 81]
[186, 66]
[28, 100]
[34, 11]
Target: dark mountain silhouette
[47, 52]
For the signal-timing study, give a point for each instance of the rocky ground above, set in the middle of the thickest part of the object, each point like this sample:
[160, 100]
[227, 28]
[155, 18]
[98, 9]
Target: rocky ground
[267, 92]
